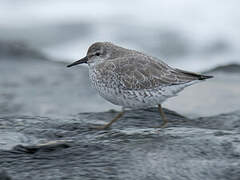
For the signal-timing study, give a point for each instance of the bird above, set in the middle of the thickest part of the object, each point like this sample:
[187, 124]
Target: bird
[132, 79]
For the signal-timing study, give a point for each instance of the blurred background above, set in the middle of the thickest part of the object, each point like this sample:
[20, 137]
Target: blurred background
[41, 100]
[193, 35]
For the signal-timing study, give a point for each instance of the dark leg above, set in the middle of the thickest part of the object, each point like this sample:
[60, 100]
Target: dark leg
[165, 121]
[111, 122]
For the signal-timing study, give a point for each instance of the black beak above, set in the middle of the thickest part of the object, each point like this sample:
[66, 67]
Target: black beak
[83, 60]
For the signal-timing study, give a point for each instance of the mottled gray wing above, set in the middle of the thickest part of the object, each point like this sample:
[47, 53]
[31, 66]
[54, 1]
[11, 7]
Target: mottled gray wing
[140, 72]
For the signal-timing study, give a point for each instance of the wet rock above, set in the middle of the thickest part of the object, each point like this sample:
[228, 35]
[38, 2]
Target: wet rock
[9, 138]
[4, 176]
[187, 149]
[47, 147]
[46, 131]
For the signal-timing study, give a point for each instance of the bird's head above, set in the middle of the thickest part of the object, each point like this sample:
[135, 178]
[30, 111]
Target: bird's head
[98, 52]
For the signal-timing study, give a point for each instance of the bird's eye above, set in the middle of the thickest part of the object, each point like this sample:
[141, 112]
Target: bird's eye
[97, 54]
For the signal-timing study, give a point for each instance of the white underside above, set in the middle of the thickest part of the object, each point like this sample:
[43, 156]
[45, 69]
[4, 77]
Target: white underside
[139, 98]
[135, 98]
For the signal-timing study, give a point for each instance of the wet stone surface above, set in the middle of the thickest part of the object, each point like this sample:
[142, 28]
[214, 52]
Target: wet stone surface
[188, 149]
[46, 119]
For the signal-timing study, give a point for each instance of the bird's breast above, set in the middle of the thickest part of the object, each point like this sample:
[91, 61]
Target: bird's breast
[126, 98]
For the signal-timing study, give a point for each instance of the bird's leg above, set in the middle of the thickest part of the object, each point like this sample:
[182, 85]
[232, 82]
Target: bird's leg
[111, 122]
[165, 121]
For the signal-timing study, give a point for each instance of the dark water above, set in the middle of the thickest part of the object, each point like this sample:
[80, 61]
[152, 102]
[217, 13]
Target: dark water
[42, 101]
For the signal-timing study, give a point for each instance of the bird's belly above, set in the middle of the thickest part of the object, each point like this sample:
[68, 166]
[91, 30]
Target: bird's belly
[126, 98]
[132, 98]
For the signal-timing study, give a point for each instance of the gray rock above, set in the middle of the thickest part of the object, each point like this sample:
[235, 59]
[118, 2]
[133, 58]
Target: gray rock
[45, 131]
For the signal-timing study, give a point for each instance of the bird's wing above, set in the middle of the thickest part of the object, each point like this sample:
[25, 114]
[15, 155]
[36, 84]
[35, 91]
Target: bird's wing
[140, 72]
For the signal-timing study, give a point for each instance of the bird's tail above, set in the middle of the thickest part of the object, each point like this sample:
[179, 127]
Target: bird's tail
[198, 76]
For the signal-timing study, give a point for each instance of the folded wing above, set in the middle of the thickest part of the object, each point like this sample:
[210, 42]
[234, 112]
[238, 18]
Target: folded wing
[142, 72]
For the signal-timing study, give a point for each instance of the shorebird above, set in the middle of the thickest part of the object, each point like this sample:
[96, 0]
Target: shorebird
[132, 79]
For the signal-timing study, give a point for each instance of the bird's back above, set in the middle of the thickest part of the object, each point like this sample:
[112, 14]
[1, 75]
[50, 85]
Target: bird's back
[141, 72]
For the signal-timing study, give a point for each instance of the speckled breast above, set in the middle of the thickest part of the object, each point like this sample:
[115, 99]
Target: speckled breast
[126, 98]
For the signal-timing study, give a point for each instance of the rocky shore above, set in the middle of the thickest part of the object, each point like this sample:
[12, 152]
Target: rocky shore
[47, 111]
